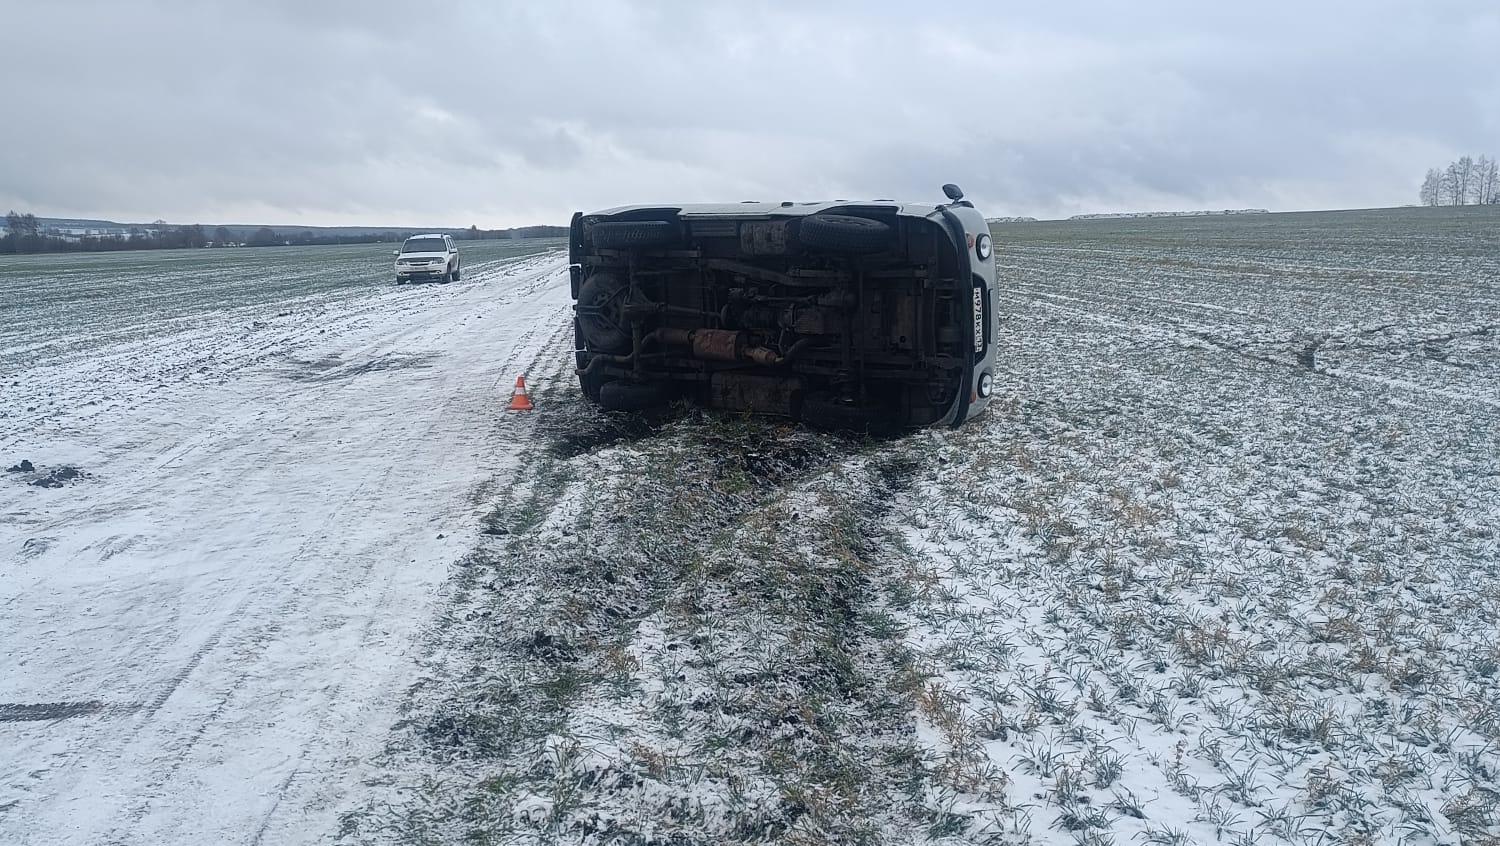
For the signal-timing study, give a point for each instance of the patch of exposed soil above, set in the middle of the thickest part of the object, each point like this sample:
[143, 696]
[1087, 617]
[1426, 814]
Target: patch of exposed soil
[43, 477]
[604, 430]
[58, 477]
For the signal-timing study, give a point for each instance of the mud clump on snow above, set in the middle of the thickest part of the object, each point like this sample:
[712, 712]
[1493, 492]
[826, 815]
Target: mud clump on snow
[773, 461]
[55, 478]
[58, 477]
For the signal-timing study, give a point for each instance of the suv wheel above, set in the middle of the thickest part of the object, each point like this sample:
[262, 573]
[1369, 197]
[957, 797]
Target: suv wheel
[456, 269]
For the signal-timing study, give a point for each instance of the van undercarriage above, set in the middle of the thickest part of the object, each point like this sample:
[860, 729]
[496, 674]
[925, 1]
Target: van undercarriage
[858, 319]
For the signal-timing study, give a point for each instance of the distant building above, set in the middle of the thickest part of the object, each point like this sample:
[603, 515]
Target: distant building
[78, 233]
[1132, 215]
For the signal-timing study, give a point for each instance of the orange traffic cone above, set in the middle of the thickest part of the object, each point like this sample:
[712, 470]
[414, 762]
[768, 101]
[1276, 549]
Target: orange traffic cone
[519, 401]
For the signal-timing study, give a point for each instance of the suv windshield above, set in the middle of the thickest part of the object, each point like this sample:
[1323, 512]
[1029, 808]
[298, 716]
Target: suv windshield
[424, 245]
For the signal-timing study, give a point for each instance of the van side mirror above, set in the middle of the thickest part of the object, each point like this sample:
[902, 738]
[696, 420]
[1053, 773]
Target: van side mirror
[953, 192]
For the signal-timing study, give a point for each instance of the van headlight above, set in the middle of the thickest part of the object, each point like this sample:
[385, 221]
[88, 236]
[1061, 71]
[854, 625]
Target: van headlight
[982, 247]
[986, 384]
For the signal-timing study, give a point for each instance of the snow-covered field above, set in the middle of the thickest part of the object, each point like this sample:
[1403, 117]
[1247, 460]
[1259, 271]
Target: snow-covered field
[1220, 565]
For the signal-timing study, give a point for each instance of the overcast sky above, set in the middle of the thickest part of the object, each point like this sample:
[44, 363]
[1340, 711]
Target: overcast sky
[503, 114]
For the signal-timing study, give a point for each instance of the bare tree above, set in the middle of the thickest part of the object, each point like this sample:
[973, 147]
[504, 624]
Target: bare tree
[1465, 180]
[1451, 194]
[1432, 188]
[1486, 180]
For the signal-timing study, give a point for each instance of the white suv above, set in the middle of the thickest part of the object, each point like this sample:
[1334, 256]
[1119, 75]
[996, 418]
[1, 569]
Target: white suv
[427, 257]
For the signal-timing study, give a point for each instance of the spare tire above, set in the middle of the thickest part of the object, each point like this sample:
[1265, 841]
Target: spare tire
[844, 233]
[634, 234]
[601, 314]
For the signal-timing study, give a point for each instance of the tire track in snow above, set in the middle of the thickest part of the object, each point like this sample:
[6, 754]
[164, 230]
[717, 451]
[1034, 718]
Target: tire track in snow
[192, 346]
[551, 347]
[294, 598]
[531, 282]
[523, 348]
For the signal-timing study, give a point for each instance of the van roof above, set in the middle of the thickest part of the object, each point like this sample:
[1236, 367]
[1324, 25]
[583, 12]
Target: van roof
[781, 209]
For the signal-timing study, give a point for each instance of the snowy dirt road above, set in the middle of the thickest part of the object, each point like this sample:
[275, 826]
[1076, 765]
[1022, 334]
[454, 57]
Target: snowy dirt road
[208, 630]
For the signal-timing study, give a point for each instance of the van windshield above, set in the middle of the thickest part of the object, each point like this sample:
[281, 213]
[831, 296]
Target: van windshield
[424, 245]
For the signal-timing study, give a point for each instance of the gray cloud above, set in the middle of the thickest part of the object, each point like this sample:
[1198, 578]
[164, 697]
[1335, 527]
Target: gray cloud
[513, 113]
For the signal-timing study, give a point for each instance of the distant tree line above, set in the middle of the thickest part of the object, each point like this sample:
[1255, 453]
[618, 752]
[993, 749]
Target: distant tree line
[24, 234]
[268, 237]
[474, 233]
[1468, 181]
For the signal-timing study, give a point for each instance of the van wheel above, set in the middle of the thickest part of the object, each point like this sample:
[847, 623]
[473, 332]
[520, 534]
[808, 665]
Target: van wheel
[601, 316]
[633, 396]
[590, 385]
[844, 233]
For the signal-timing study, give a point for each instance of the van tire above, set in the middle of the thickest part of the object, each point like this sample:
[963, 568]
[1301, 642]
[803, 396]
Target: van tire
[844, 233]
[634, 234]
[590, 385]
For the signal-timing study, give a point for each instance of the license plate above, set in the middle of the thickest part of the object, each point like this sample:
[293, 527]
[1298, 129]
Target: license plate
[978, 320]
